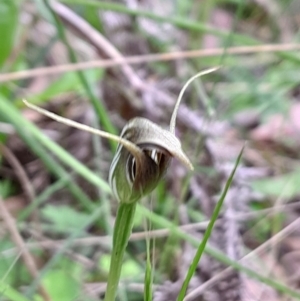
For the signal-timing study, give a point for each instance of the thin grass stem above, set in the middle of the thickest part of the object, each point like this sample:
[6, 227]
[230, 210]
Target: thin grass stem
[207, 233]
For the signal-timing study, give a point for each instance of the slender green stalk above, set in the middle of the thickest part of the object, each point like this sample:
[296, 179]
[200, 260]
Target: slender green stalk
[122, 231]
[162, 222]
[148, 279]
[207, 233]
[148, 295]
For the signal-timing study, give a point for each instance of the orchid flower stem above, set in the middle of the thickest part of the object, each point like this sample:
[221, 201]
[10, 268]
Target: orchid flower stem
[122, 231]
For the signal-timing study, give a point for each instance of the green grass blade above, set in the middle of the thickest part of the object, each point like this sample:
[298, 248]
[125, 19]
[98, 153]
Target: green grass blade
[9, 113]
[179, 22]
[162, 222]
[9, 15]
[106, 202]
[208, 231]
[43, 197]
[182, 23]
[23, 127]
[10, 293]
[97, 105]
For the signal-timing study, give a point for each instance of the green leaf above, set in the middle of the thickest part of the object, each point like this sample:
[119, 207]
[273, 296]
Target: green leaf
[130, 268]
[65, 218]
[6, 188]
[10, 293]
[7, 263]
[61, 286]
[66, 83]
[8, 24]
[286, 186]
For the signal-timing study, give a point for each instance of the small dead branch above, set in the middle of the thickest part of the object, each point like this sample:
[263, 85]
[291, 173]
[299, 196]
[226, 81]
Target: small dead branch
[131, 60]
[19, 242]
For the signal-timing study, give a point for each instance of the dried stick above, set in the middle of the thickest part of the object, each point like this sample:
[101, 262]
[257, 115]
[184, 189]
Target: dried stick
[20, 172]
[159, 233]
[139, 59]
[23, 178]
[103, 45]
[18, 241]
[98, 40]
[57, 245]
